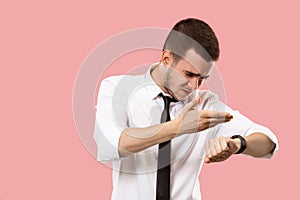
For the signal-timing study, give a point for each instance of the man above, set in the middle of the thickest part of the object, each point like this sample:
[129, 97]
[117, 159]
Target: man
[157, 131]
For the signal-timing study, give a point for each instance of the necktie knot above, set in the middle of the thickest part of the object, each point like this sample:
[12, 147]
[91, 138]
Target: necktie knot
[165, 116]
[167, 99]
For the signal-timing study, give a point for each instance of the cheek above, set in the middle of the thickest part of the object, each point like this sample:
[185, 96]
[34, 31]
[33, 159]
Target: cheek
[177, 79]
[175, 76]
[180, 81]
[184, 82]
[181, 78]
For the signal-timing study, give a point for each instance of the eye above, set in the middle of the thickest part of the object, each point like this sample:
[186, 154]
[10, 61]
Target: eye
[189, 74]
[204, 77]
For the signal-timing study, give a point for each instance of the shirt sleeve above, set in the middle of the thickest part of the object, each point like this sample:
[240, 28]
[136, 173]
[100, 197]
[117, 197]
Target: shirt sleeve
[111, 119]
[239, 125]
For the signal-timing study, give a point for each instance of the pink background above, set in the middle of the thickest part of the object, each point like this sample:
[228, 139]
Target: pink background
[43, 44]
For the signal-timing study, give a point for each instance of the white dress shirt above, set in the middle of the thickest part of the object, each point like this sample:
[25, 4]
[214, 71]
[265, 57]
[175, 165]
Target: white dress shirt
[132, 101]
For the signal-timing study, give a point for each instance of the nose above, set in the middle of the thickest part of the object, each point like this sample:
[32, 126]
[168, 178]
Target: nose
[194, 83]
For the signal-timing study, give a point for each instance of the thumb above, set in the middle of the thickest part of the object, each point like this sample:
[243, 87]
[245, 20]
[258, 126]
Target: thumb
[190, 105]
[231, 145]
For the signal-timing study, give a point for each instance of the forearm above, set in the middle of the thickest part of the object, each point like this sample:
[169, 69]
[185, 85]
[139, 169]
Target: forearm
[133, 140]
[258, 145]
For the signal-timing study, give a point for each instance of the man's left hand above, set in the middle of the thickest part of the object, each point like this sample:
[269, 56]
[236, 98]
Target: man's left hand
[221, 148]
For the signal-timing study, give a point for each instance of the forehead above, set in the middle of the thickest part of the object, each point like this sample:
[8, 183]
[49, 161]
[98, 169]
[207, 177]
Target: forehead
[193, 62]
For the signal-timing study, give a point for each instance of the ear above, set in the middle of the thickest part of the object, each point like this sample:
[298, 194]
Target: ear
[166, 58]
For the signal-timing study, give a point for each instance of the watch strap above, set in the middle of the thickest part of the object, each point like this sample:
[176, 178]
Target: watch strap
[243, 143]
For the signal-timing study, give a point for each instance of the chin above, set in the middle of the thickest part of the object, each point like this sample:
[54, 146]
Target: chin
[181, 97]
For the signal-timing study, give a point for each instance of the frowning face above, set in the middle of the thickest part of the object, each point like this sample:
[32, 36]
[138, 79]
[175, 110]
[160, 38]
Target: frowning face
[186, 74]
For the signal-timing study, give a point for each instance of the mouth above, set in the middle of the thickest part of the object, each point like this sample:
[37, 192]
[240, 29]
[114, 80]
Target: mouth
[186, 91]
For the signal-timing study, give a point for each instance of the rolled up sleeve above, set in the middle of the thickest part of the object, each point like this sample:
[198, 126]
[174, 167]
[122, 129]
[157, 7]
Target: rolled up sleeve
[239, 125]
[111, 120]
[266, 131]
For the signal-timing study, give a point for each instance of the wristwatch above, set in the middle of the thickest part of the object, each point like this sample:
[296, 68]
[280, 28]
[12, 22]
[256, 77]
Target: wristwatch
[243, 143]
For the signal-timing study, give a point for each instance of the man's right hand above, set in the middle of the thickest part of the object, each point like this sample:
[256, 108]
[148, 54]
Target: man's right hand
[191, 120]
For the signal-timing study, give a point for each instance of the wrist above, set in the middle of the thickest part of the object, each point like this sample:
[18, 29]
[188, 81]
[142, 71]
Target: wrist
[240, 143]
[173, 128]
[237, 143]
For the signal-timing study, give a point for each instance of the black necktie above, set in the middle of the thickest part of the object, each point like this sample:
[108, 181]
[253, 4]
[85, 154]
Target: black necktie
[164, 158]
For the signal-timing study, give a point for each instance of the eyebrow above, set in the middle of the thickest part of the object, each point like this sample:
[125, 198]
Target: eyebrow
[193, 74]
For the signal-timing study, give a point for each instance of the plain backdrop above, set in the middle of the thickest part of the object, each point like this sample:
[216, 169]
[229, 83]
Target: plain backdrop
[43, 44]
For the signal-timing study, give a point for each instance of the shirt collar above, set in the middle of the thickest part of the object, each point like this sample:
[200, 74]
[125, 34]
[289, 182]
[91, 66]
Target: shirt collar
[153, 89]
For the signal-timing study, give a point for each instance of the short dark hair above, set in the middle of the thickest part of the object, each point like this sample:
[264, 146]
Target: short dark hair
[186, 32]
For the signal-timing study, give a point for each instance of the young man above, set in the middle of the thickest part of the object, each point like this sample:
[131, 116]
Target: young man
[157, 131]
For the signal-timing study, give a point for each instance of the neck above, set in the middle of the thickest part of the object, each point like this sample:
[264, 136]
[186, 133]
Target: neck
[158, 75]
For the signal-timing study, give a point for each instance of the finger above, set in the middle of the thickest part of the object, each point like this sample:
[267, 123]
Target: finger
[224, 145]
[198, 99]
[215, 114]
[220, 157]
[207, 160]
[190, 105]
[212, 150]
[215, 159]
[217, 146]
[226, 154]
[212, 123]
[217, 120]
[207, 149]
